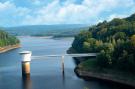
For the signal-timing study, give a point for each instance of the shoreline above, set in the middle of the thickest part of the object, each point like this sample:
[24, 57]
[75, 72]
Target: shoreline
[110, 77]
[8, 48]
[87, 75]
[48, 37]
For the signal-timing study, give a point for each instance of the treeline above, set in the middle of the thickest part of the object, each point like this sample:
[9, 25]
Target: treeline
[113, 40]
[6, 39]
[61, 30]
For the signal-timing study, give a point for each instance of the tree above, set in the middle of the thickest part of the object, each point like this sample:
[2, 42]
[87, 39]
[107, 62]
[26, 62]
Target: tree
[80, 39]
[120, 35]
[86, 46]
[104, 59]
[6, 39]
[133, 40]
[113, 40]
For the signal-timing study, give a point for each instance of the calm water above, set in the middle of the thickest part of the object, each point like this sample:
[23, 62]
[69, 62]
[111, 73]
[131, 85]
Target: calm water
[45, 73]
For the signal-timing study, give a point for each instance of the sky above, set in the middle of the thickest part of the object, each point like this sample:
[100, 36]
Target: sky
[41, 12]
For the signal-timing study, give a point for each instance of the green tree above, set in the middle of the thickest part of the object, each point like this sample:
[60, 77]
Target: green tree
[133, 40]
[6, 39]
[120, 35]
[104, 59]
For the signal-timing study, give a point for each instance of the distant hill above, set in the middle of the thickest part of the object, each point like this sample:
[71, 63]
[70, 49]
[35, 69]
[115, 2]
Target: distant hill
[47, 30]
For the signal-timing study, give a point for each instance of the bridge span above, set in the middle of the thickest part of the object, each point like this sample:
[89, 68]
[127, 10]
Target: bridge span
[27, 57]
[63, 55]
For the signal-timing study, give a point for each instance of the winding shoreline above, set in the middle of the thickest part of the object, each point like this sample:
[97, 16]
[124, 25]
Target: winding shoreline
[8, 48]
[84, 74]
[103, 76]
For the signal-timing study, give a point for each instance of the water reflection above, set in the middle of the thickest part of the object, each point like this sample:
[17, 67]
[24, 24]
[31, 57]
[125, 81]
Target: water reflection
[26, 82]
[63, 77]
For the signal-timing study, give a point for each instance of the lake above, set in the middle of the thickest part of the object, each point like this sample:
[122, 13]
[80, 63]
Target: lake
[45, 73]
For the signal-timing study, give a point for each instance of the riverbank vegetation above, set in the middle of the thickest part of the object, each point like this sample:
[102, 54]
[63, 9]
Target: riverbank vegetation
[7, 41]
[114, 41]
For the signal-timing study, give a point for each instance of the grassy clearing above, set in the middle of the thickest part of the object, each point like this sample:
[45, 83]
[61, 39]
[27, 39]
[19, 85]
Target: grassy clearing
[89, 65]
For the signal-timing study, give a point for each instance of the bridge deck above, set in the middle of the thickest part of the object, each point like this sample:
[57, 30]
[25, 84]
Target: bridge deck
[63, 55]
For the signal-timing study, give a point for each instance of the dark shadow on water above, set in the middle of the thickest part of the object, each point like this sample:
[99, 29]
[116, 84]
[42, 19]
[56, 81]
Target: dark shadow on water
[63, 79]
[26, 82]
[63, 76]
[114, 85]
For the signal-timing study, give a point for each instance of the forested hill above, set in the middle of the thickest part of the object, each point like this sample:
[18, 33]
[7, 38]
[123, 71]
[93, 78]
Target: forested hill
[114, 40]
[6, 39]
[58, 30]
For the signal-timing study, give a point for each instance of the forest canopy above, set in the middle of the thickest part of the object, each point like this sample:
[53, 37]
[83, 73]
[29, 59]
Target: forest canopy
[114, 41]
[7, 39]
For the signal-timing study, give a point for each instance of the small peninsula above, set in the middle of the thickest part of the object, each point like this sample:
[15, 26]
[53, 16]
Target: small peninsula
[115, 42]
[8, 42]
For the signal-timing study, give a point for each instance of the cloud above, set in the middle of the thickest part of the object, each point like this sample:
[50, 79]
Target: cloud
[36, 2]
[11, 14]
[6, 5]
[88, 12]
[66, 11]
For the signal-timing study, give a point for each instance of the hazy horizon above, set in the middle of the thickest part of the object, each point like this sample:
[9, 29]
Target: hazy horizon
[45, 25]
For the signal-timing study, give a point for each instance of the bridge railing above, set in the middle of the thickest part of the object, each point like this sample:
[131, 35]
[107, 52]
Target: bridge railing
[72, 55]
[27, 56]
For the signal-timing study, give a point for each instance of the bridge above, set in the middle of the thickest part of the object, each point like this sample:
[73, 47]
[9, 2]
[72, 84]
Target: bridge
[63, 55]
[27, 56]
